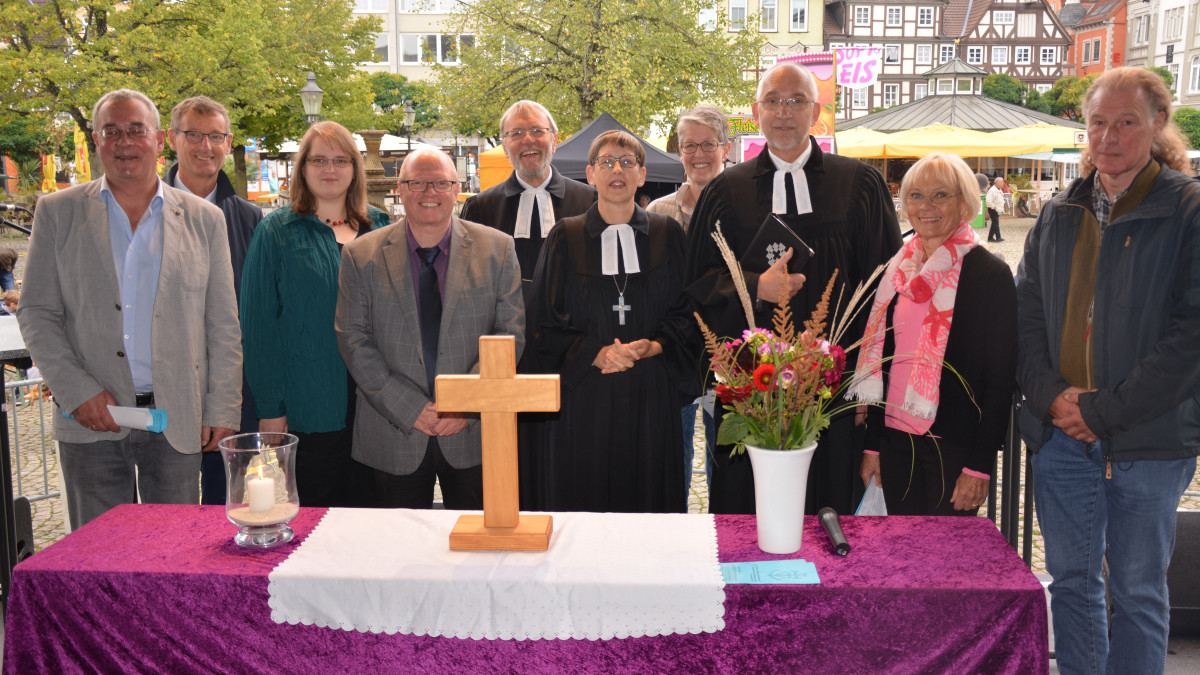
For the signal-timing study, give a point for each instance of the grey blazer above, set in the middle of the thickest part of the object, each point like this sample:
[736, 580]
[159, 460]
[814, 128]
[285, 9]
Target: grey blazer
[70, 315]
[379, 335]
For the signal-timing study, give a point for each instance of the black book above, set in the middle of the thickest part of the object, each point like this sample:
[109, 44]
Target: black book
[775, 236]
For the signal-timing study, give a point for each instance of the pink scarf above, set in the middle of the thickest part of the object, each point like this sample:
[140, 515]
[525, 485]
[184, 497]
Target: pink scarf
[920, 280]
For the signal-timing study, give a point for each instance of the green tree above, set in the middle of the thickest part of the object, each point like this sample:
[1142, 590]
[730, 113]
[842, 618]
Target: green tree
[252, 55]
[393, 91]
[1187, 119]
[1066, 96]
[25, 137]
[1004, 88]
[1035, 100]
[1165, 74]
[638, 60]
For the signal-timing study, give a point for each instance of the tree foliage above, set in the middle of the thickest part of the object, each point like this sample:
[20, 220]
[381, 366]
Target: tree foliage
[392, 92]
[1066, 96]
[638, 60]
[1167, 78]
[251, 55]
[1004, 88]
[1187, 119]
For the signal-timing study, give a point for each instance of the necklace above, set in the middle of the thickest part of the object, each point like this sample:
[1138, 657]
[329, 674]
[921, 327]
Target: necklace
[333, 223]
[620, 308]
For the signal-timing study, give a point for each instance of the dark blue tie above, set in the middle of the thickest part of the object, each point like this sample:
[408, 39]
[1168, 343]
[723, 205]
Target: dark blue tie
[430, 298]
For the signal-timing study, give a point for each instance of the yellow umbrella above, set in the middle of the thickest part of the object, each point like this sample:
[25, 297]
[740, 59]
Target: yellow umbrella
[861, 143]
[962, 142]
[1047, 136]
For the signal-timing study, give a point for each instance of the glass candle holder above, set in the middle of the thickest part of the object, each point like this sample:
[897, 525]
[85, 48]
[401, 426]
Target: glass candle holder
[260, 479]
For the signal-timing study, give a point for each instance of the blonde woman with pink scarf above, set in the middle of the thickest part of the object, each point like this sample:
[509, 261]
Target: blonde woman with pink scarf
[940, 349]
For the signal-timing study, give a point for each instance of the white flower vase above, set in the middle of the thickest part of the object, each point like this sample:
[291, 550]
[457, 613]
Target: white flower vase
[780, 481]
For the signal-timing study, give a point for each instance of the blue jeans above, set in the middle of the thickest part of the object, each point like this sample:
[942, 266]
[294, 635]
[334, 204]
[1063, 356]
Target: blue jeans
[1129, 518]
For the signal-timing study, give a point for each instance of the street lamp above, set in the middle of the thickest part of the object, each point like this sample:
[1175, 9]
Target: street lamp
[310, 98]
[410, 117]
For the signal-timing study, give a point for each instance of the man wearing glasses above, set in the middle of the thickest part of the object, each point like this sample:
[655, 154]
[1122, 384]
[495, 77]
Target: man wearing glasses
[413, 300]
[535, 196]
[200, 135]
[841, 208]
[129, 301]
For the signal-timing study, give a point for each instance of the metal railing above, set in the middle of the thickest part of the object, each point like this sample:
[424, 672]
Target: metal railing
[32, 490]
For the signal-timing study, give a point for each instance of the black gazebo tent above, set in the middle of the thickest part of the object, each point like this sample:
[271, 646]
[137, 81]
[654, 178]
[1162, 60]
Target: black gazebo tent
[571, 156]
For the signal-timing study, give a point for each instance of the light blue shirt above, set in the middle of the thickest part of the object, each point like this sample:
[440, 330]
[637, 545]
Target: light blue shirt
[137, 255]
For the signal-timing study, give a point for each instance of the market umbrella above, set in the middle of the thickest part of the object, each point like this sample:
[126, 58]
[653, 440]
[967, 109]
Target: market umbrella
[962, 142]
[1048, 137]
[861, 142]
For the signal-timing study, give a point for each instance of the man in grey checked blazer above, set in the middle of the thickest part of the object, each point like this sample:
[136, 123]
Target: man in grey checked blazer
[129, 300]
[414, 299]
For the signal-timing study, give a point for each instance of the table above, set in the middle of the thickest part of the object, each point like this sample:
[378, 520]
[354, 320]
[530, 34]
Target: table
[160, 588]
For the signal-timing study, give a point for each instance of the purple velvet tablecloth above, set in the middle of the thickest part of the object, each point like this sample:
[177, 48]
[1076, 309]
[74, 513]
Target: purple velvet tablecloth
[163, 589]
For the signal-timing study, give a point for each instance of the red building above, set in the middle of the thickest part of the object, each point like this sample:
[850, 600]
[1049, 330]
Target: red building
[1098, 31]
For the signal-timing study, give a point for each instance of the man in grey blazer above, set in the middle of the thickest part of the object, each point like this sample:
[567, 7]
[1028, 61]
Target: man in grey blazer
[413, 300]
[129, 301]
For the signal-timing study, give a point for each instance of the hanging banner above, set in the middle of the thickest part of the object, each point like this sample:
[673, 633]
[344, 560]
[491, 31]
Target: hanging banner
[48, 170]
[10, 175]
[858, 67]
[83, 165]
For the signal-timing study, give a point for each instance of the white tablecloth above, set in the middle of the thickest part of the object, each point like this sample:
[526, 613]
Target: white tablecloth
[605, 576]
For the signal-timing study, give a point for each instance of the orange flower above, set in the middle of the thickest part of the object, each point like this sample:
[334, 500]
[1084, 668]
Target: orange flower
[763, 375]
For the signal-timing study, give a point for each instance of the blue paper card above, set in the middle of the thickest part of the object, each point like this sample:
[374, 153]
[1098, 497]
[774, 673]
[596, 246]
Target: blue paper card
[770, 572]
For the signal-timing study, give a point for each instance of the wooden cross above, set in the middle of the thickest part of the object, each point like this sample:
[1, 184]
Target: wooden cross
[497, 393]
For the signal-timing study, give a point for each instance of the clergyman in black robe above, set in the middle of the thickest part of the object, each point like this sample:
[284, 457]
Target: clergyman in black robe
[852, 228]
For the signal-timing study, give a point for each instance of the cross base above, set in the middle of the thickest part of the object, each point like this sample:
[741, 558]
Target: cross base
[532, 533]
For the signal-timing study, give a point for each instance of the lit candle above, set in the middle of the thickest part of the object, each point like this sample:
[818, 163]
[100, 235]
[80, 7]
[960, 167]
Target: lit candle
[260, 493]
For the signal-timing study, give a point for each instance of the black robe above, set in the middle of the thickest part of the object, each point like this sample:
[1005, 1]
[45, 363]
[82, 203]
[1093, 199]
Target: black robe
[852, 229]
[614, 445]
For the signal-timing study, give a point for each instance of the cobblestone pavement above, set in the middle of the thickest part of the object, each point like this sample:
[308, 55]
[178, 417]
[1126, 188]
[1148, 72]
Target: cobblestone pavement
[39, 476]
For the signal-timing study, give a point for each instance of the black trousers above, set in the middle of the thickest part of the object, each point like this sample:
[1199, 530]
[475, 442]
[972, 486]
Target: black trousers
[994, 233]
[918, 475]
[462, 489]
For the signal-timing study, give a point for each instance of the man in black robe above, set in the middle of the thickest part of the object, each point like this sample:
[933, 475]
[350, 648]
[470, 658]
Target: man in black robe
[526, 207]
[843, 211]
[535, 196]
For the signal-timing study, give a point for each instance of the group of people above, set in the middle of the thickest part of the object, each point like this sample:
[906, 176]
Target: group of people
[345, 320]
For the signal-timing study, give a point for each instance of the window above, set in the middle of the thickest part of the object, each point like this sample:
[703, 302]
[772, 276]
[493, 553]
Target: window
[1004, 18]
[370, 6]
[891, 95]
[1174, 68]
[768, 16]
[1087, 52]
[1027, 25]
[835, 45]
[859, 98]
[737, 15]
[381, 48]
[799, 16]
[1194, 80]
[862, 16]
[946, 53]
[421, 6]
[1023, 56]
[925, 17]
[964, 85]
[1049, 55]
[1043, 88]
[945, 86]
[891, 54]
[999, 56]
[1141, 30]
[708, 18]
[1096, 50]
[1173, 23]
[924, 55]
[920, 91]
[433, 48]
[895, 16]
[974, 55]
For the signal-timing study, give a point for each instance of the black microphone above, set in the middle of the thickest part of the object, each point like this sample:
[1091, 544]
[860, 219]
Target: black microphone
[833, 526]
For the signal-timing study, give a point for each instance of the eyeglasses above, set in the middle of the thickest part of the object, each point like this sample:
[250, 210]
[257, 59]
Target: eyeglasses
[609, 163]
[937, 198]
[135, 132]
[215, 138]
[773, 104]
[337, 162]
[517, 134]
[691, 148]
[422, 185]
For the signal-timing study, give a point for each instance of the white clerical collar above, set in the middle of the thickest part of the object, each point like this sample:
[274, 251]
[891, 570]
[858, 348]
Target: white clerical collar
[608, 249]
[799, 182]
[541, 195]
[180, 185]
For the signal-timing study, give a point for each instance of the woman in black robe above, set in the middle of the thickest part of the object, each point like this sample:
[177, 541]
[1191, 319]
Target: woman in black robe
[616, 327]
